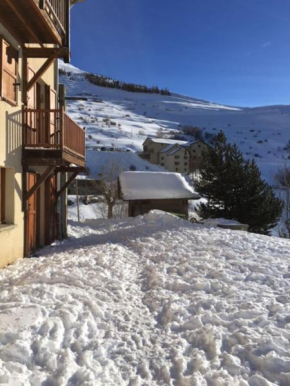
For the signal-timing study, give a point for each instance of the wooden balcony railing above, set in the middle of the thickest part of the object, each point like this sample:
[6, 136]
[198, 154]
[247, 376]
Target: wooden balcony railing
[58, 11]
[52, 129]
[73, 136]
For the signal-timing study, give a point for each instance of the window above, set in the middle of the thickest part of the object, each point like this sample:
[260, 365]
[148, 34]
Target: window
[145, 149]
[176, 163]
[176, 169]
[162, 164]
[8, 71]
[176, 156]
[185, 163]
[6, 196]
[2, 195]
[162, 158]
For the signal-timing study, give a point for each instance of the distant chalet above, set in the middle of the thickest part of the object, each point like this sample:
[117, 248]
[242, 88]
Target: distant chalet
[175, 156]
[145, 191]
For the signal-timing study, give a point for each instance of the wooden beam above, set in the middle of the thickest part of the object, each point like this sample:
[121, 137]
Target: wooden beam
[69, 169]
[69, 181]
[24, 22]
[44, 52]
[42, 70]
[49, 171]
[7, 25]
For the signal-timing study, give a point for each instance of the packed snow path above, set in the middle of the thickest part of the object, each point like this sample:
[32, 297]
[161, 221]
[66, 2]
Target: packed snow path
[148, 301]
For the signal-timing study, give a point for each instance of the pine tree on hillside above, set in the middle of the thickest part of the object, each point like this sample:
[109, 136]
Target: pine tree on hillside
[234, 189]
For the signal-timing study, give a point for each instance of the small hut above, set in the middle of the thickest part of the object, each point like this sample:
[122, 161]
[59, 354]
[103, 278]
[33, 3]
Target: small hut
[145, 191]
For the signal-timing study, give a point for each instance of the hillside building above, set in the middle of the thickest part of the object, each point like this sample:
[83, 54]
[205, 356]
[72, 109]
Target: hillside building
[40, 146]
[175, 156]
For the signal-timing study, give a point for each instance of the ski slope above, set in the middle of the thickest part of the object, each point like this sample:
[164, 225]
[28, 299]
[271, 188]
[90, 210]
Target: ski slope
[122, 120]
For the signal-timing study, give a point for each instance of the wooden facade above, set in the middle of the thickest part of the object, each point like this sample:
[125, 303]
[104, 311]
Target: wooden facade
[178, 207]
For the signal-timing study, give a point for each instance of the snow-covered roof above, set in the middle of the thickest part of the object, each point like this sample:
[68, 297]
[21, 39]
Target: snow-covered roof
[167, 148]
[167, 141]
[176, 149]
[157, 186]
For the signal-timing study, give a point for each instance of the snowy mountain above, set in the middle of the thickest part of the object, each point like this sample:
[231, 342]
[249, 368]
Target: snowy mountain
[119, 119]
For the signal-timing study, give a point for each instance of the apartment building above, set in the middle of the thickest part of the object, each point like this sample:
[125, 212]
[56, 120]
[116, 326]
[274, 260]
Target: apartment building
[41, 148]
[175, 156]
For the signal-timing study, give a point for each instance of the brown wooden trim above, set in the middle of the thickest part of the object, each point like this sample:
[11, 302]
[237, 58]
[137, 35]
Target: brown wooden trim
[44, 52]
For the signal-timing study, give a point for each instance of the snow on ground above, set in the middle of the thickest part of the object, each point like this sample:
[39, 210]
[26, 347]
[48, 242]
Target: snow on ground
[120, 119]
[95, 210]
[148, 301]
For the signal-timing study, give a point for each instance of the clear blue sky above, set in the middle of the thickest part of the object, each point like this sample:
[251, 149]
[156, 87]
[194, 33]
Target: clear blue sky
[229, 51]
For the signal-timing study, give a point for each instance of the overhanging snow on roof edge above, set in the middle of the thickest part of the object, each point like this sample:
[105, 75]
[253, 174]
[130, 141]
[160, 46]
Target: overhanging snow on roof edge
[155, 186]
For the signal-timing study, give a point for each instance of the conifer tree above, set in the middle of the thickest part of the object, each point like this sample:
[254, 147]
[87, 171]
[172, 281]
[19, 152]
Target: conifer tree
[235, 190]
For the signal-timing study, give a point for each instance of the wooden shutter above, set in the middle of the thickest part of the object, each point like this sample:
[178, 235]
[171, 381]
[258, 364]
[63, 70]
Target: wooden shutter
[9, 68]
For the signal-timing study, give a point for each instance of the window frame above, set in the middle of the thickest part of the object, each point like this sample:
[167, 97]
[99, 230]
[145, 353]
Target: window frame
[2, 196]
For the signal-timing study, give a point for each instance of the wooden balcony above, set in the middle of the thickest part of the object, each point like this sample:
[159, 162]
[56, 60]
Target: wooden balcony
[52, 138]
[37, 21]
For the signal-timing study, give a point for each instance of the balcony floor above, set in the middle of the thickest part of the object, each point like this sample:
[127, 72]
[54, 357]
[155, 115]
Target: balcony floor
[48, 157]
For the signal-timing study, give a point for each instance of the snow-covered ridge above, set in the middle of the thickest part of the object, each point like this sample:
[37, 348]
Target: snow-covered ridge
[121, 119]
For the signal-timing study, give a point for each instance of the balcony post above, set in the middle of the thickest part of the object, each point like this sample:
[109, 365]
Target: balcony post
[62, 128]
[23, 127]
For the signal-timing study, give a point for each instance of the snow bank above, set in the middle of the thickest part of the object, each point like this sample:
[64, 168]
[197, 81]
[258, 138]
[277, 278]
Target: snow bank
[148, 301]
[150, 185]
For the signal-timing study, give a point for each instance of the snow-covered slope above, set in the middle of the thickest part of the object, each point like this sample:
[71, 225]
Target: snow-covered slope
[149, 301]
[121, 119]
